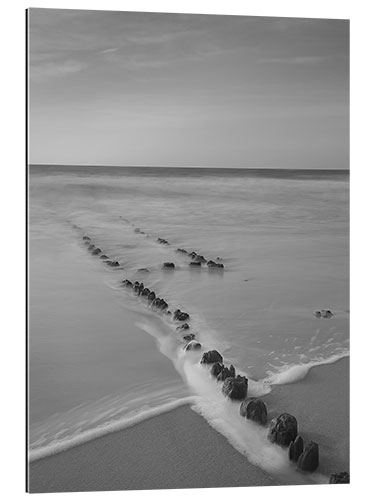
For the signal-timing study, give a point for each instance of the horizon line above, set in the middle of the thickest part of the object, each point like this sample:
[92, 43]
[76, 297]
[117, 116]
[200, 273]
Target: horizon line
[180, 166]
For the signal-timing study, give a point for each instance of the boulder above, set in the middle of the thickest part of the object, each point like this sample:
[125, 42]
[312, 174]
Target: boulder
[97, 251]
[145, 292]
[199, 258]
[91, 247]
[184, 326]
[317, 314]
[151, 296]
[210, 357]
[104, 256]
[254, 409]
[192, 346]
[168, 265]
[235, 388]
[178, 315]
[188, 337]
[283, 429]
[163, 305]
[214, 265]
[128, 283]
[195, 264]
[162, 241]
[309, 458]
[192, 254]
[339, 478]
[113, 263]
[181, 250]
[326, 313]
[226, 373]
[295, 449]
[86, 238]
[216, 369]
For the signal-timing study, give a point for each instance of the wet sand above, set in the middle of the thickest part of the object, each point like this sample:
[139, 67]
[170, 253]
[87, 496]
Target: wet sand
[179, 449]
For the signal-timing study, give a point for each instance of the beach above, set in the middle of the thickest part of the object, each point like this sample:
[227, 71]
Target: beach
[179, 449]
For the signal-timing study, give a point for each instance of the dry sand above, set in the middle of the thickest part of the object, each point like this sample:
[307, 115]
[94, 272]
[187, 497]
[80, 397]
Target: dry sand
[180, 450]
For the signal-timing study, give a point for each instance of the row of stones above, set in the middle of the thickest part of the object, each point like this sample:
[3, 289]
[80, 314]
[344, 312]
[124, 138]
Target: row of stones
[98, 252]
[283, 430]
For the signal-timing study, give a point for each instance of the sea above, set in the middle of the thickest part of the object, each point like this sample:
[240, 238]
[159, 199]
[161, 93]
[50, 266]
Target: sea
[101, 359]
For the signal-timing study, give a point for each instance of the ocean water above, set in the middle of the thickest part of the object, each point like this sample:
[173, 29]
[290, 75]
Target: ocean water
[101, 359]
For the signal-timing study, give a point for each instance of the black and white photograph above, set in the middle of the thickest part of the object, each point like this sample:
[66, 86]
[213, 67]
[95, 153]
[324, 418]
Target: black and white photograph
[188, 251]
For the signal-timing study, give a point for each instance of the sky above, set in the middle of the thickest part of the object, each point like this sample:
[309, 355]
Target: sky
[128, 88]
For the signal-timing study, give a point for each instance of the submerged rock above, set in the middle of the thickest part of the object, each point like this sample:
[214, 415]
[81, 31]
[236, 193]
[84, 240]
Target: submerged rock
[326, 313]
[192, 346]
[199, 258]
[215, 265]
[86, 238]
[104, 256]
[235, 388]
[128, 283]
[169, 265]
[339, 478]
[195, 264]
[184, 326]
[97, 251]
[295, 449]
[91, 247]
[254, 409]
[283, 429]
[181, 250]
[143, 270]
[113, 263]
[188, 337]
[309, 459]
[163, 241]
[211, 357]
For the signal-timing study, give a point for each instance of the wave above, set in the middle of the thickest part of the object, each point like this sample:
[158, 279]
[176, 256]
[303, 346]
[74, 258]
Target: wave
[289, 374]
[58, 446]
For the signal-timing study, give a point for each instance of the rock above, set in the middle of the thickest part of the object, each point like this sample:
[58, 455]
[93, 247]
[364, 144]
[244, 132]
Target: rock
[104, 256]
[326, 313]
[168, 265]
[211, 357]
[295, 449]
[137, 230]
[192, 346]
[226, 373]
[235, 388]
[195, 264]
[128, 283]
[86, 238]
[309, 459]
[211, 264]
[185, 326]
[283, 429]
[216, 369]
[97, 251]
[162, 241]
[143, 270]
[113, 263]
[145, 292]
[339, 478]
[254, 409]
[192, 254]
[188, 337]
[86, 243]
[318, 314]
[181, 250]
[163, 305]
[151, 296]
[199, 258]
[180, 316]
[91, 247]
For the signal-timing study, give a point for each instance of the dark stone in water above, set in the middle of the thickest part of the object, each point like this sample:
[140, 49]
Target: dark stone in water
[309, 459]
[143, 270]
[226, 373]
[214, 265]
[104, 256]
[180, 316]
[192, 346]
[235, 388]
[137, 230]
[113, 263]
[181, 250]
[211, 357]
[91, 247]
[192, 254]
[326, 313]
[168, 265]
[145, 292]
[128, 283]
[97, 251]
[283, 429]
[185, 326]
[188, 337]
[254, 409]
[318, 314]
[151, 296]
[195, 264]
[163, 305]
[295, 449]
[162, 241]
[86, 238]
[199, 258]
[216, 369]
[339, 478]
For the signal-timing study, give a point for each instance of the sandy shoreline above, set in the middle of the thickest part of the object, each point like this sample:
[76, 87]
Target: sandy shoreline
[179, 449]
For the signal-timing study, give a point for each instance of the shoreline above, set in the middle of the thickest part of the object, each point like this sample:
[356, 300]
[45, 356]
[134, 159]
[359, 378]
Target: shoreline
[179, 449]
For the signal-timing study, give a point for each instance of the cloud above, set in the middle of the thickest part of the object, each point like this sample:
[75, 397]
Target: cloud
[45, 71]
